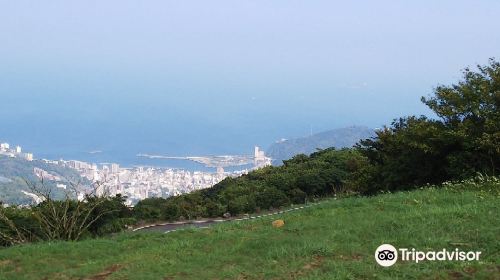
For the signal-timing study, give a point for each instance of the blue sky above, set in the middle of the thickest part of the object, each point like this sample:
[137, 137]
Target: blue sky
[186, 77]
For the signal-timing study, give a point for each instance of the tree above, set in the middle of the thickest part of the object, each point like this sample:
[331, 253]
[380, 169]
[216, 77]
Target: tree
[463, 141]
[412, 152]
[470, 109]
[271, 197]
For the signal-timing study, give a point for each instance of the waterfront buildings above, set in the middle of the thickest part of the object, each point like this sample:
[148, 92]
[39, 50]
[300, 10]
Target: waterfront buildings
[5, 150]
[141, 182]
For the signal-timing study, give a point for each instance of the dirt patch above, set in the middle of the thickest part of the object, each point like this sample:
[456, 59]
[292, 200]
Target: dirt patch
[107, 272]
[314, 264]
[354, 257]
[6, 262]
[11, 263]
[243, 276]
[179, 275]
[456, 275]
[490, 272]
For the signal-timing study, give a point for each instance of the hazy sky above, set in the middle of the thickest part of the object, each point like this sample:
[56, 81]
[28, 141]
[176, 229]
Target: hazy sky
[219, 76]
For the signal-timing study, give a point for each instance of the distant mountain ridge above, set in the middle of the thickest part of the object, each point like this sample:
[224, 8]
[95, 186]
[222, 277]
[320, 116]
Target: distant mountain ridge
[338, 138]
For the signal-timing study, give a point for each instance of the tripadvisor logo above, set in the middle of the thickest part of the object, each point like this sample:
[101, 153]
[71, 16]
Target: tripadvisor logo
[387, 255]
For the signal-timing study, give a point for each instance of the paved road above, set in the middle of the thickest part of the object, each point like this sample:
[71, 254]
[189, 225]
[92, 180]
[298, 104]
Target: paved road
[169, 227]
[174, 226]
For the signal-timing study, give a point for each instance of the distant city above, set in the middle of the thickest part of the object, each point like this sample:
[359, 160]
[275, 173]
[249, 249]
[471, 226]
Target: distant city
[6, 150]
[140, 182]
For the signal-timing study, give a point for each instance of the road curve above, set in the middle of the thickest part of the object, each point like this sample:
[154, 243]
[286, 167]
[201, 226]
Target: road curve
[169, 227]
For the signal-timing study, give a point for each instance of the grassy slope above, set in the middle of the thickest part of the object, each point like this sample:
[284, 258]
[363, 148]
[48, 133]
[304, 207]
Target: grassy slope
[336, 239]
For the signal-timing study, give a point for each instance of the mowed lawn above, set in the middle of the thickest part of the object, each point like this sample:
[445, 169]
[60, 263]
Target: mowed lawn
[333, 240]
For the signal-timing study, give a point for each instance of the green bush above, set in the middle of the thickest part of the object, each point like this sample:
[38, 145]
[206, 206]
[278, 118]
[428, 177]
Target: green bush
[464, 141]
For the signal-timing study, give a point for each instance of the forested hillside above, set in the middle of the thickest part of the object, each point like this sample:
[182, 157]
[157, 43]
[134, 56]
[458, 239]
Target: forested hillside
[14, 172]
[336, 138]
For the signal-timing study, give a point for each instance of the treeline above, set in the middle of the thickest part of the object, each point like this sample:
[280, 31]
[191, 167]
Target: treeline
[300, 179]
[462, 141]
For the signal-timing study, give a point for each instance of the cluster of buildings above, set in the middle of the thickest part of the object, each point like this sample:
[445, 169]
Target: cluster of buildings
[141, 182]
[145, 182]
[138, 183]
[260, 158]
[42, 174]
[16, 152]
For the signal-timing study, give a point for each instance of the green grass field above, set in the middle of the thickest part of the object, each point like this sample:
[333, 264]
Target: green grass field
[333, 240]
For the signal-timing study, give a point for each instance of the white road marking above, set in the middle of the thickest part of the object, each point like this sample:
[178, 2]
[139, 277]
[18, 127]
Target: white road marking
[218, 221]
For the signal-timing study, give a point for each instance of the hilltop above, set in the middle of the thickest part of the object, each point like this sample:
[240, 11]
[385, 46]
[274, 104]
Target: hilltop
[337, 138]
[333, 240]
[394, 188]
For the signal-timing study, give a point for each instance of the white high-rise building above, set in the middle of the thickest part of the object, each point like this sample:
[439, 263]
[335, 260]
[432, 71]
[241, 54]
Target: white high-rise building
[258, 154]
[18, 150]
[28, 156]
[4, 146]
[260, 159]
[220, 170]
[115, 168]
